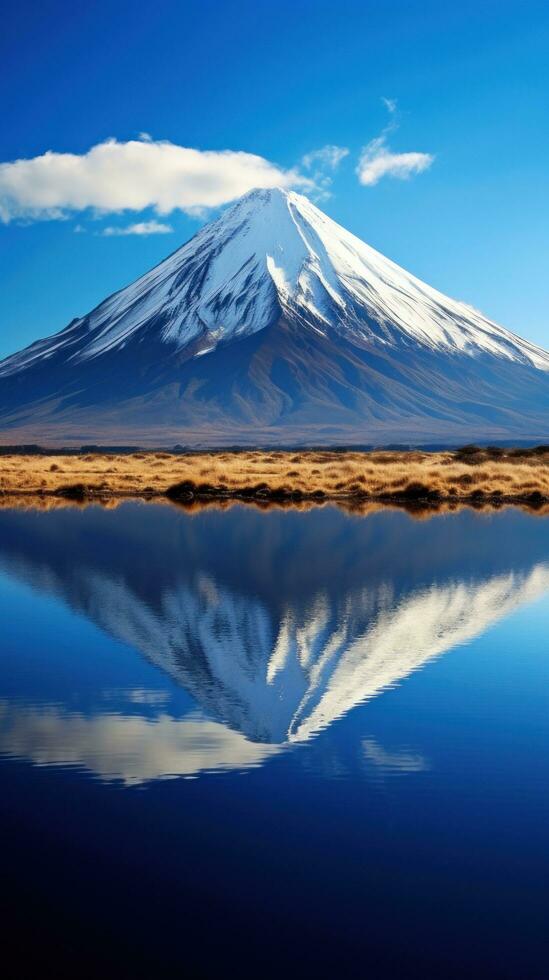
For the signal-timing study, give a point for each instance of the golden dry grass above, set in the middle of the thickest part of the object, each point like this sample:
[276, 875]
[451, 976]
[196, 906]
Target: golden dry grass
[461, 476]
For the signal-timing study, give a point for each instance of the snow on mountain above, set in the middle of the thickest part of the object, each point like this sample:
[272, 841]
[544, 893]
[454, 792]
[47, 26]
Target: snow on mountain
[274, 323]
[274, 252]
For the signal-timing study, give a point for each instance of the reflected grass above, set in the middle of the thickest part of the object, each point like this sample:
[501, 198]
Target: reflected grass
[355, 507]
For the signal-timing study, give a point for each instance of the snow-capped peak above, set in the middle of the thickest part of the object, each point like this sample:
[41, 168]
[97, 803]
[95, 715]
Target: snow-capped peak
[274, 254]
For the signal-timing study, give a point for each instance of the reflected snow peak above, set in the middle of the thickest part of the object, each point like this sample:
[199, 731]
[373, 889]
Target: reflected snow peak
[337, 610]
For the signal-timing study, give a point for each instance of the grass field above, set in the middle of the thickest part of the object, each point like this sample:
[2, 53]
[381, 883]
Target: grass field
[466, 475]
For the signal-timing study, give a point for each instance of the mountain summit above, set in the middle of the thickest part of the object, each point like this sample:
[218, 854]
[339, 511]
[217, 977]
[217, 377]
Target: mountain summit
[275, 326]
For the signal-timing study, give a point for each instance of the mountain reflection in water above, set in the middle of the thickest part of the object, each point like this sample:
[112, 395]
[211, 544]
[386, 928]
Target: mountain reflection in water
[275, 624]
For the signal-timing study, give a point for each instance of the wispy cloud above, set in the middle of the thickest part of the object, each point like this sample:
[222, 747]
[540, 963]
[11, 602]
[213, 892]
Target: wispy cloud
[115, 177]
[328, 157]
[377, 160]
[140, 228]
[390, 104]
[321, 164]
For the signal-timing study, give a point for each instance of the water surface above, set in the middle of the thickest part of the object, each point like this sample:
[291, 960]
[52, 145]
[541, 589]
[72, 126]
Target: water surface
[282, 743]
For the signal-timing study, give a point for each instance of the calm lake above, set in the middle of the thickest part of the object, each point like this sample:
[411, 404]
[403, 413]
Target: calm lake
[284, 743]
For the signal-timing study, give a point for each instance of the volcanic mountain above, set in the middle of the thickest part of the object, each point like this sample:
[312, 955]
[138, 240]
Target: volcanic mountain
[275, 326]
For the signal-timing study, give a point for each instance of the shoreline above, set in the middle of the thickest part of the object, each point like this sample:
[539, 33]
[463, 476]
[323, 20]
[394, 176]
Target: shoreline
[471, 476]
[89, 495]
[355, 507]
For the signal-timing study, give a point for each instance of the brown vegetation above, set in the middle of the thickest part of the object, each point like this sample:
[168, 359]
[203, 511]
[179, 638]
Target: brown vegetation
[470, 475]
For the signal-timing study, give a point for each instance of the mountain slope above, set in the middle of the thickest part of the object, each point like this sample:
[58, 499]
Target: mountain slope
[274, 325]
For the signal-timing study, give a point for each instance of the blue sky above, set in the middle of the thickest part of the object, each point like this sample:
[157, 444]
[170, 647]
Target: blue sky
[279, 81]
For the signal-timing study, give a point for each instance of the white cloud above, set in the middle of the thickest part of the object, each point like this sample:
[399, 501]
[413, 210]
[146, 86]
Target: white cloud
[114, 177]
[377, 161]
[140, 228]
[327, 157]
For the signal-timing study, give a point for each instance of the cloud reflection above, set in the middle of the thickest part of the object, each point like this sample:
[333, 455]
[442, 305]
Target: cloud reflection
[129, 748]
[401, 761]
